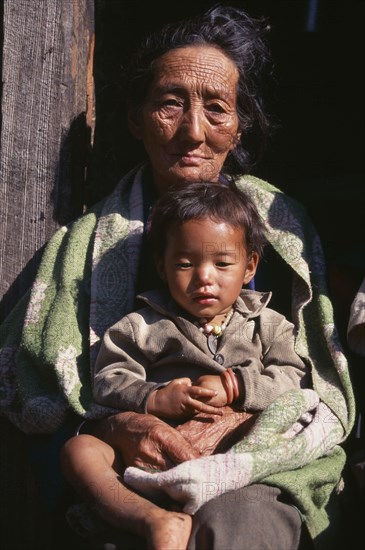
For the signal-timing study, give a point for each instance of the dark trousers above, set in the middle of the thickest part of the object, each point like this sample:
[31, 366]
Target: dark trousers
[256, 517]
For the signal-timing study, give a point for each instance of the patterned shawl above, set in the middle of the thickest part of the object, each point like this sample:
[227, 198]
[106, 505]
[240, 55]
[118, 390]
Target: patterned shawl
[85, 283]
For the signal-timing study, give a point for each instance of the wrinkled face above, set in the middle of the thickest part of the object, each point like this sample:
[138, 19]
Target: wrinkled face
[189, 122]
[205, 265]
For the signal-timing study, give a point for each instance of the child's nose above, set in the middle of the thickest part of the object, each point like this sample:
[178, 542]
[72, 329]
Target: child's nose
[203, 275]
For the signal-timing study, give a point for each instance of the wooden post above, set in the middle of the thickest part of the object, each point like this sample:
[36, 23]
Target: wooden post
[46, 133]
[47, 116]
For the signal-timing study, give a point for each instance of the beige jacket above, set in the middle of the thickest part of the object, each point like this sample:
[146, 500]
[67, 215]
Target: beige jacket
[150, 347]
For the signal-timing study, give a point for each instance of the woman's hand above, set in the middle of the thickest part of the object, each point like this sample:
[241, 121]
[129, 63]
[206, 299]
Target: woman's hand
[144, 440]
[180, 399]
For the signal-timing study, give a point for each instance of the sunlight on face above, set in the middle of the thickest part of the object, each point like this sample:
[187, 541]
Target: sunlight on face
[205, 265]
[189, 121]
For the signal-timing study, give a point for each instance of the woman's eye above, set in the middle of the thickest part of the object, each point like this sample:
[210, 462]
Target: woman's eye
[171, 102]
[216, 108]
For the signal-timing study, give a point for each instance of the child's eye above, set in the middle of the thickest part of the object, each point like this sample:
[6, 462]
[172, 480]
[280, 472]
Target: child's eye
[183, 265]
[222, 264]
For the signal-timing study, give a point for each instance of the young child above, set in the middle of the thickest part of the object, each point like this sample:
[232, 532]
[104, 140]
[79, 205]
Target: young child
[203, 342]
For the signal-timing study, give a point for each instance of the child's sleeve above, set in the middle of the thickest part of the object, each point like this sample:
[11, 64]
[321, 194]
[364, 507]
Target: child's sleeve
[278, 370]
[120, 375]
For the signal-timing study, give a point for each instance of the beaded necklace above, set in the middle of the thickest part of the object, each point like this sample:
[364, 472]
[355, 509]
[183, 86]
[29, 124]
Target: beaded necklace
[214, 331]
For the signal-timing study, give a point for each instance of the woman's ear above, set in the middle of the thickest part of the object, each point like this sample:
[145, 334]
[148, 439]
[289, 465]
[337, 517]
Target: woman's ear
[236, 140]
[251, 267]
[134, 123]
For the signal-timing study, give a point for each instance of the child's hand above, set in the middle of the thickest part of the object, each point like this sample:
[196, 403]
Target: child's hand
[213, 382]
[180, 399]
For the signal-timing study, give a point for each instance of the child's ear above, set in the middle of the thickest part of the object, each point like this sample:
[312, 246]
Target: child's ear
[160, 267]
[134, 123]
[251, 267]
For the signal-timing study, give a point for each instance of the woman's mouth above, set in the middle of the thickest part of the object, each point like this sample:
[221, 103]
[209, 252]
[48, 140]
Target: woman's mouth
[191, 159]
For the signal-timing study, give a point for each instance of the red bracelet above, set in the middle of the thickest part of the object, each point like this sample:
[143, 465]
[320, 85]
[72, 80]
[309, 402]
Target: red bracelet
[228, 386]
[236, 391]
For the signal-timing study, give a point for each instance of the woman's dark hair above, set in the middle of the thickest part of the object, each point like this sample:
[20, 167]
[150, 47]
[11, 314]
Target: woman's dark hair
[242, 39]
[196, 201]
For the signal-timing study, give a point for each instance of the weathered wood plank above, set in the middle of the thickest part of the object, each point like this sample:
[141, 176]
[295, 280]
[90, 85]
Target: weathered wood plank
[47, 113]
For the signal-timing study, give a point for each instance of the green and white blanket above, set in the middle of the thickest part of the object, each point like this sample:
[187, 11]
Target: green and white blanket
[85, 283]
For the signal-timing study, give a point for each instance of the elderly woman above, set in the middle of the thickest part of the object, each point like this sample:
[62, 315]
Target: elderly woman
[195, 101]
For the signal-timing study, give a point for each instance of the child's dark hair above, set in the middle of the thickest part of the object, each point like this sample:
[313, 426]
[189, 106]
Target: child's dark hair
[194, 201]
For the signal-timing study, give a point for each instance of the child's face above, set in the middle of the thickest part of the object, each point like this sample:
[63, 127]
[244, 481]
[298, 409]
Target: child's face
[205, 265]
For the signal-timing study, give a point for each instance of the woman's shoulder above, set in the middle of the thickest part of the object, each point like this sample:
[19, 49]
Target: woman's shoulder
[89, 216]
[81, 227]
[252, 184]
[279, 210]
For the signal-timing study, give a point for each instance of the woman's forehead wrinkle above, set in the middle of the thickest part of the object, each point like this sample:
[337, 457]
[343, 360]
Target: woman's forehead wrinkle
[210, 71]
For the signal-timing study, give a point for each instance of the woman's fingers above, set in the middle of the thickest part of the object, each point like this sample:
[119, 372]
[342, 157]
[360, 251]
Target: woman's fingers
[199, 406]
[165, 447]
[179, 450]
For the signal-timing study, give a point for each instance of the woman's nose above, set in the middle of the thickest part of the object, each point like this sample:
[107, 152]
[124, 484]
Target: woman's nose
[193, 126]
